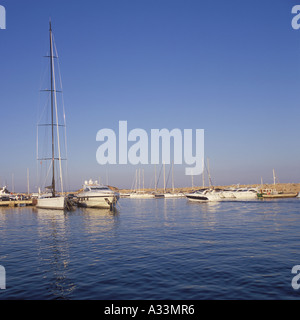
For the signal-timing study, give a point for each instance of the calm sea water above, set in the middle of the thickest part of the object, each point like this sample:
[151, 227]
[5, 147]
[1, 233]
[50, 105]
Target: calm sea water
[153, 249]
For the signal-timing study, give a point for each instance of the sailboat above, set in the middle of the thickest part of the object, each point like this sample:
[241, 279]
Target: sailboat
[173, 194]
[51, 200]
[139, 193]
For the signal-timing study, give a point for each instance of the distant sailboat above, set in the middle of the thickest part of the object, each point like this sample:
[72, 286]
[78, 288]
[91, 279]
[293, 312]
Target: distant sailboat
[51, 200]
[173, 194]
[137, 193]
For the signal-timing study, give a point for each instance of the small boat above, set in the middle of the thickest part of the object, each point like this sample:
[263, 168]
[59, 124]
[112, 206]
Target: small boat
[204, 195]
[280, 195]
[272, 194]
[95, 195]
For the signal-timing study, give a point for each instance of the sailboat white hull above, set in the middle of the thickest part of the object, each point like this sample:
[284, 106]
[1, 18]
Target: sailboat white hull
[141, 196]
[174, 195]
[59, 203]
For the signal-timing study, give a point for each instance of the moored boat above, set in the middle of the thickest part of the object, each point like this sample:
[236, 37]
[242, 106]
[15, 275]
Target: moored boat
[280, 195]
[141, 195]
[204, 195]
[94, 195]
[49, 202]
[227, 194]
[169, 195]
[245, 193]
[53, 200]
[272, 194]
[5, 195]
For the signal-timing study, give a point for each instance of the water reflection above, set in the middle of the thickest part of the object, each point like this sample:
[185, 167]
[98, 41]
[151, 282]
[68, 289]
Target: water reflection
[54, 252]
[209, 206]
[57, 246]
[98, 221]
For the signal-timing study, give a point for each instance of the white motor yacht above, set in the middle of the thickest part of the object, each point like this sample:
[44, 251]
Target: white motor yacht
[245, 193]
[95, 195]
[204, 195]
[227, 194]
[4, 194]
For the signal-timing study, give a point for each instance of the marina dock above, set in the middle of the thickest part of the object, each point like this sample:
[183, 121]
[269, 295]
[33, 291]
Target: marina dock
[16, 203]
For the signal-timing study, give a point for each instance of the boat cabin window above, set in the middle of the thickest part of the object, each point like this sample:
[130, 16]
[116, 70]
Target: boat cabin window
[92, 188]
[99, 188]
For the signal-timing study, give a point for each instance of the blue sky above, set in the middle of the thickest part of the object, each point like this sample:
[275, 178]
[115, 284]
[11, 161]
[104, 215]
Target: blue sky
[229, 67]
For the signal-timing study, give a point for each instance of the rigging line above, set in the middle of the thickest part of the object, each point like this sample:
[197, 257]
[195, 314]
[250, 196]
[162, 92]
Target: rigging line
[64, 113]
[42, 77]
[57, 128]
[159, 175]
[44, 109]
[150, 184]
[168, 177]
[132, 185]
[46, 176]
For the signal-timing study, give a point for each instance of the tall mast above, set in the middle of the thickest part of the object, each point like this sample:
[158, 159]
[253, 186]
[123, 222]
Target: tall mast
[164, 179]
[52, 113]
[203, 178]
[155, 182]
[143, 179]
[209, 177]
[173, 176]
[28, 180]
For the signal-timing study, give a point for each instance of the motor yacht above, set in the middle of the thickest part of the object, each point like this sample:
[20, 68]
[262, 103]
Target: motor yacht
[94, 195]
[204, 195]
[245, 193]
[5, 194]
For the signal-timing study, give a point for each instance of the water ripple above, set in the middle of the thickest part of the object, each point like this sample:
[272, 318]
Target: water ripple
[152, 249]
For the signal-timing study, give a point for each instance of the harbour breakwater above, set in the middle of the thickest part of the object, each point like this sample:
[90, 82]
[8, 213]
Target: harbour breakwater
[279, 187]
